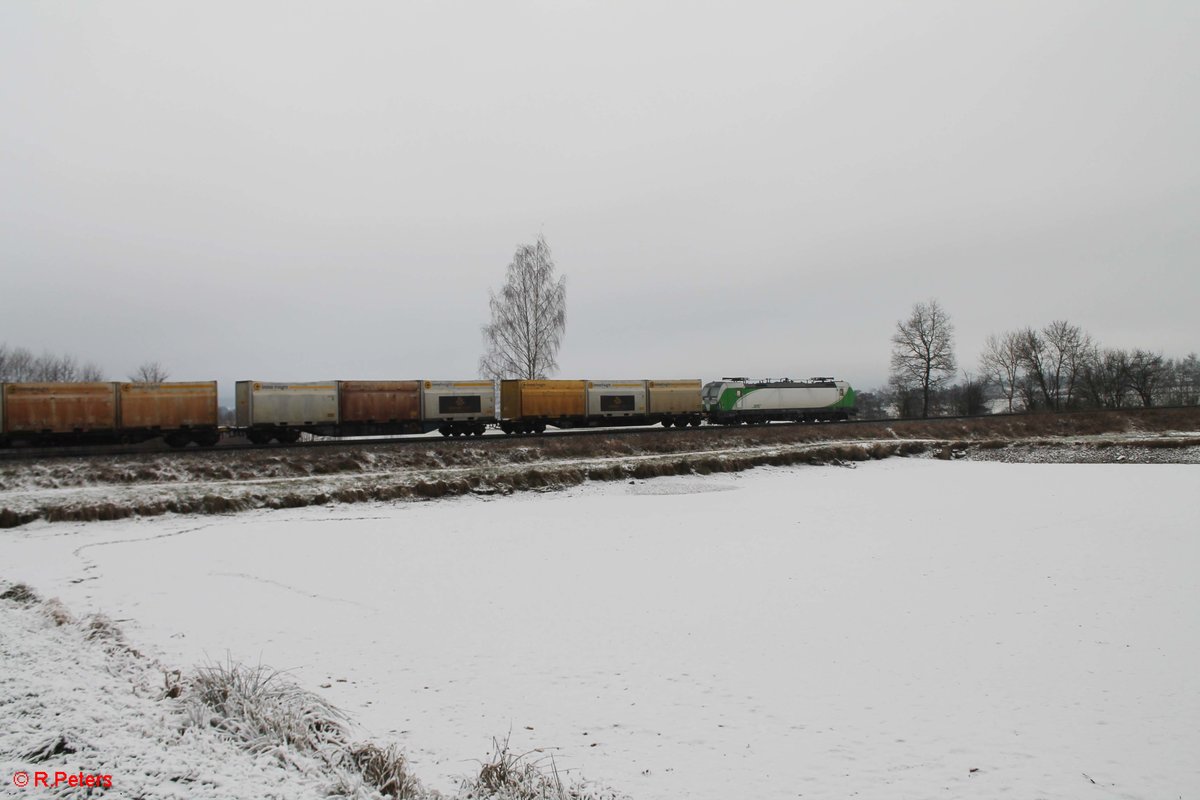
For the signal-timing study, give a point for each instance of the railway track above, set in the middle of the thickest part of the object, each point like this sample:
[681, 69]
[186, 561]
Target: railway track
[235, 443]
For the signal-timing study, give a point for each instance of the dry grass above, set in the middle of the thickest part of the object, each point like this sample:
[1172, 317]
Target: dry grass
[532, 775]
[263, 712]
[19, 593]
[386, 770]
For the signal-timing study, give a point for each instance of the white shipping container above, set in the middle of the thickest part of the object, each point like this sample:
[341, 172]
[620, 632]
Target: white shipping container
[263, 403]
[616, 398]
[458, 400]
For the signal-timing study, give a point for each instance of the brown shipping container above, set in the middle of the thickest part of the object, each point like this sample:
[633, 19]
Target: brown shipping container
[379, 401]
[59, 407]
[674, 397]
[168, 406]
[549, 399]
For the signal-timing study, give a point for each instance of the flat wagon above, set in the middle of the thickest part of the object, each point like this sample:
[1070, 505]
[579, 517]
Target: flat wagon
[81, 413]
[531, 406]
[675, 402]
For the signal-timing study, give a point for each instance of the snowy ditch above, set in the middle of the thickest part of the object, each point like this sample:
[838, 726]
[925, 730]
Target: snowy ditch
[913, 627]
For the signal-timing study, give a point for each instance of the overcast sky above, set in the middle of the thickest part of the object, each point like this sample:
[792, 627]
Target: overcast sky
[291, 191]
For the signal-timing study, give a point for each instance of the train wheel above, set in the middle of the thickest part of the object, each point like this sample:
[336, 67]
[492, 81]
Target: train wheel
[540, 427]
[668, 422]
[444, 430]
[177, 440]
[288, 436]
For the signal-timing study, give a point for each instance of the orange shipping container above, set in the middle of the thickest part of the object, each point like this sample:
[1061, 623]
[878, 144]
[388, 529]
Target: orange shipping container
[168, 406]
[545, 399]
[379, 401]
[59, 407]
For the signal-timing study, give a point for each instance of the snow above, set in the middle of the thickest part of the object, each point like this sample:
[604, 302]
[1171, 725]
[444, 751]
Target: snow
[103, 706]
[818, 632]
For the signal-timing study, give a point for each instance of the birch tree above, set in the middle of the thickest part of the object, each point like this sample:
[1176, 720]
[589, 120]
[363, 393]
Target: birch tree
[923, 351]
[529, 317]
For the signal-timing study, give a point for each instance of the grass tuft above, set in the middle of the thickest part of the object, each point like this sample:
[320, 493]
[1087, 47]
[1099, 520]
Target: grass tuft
[386, 770]
[257, 707]
[526, 776]
[19, 593]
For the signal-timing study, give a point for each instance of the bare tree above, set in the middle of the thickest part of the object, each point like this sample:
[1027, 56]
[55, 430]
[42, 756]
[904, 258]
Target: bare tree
[14, 363]
[56, 369]
[19, 364]
[91, 372]
[1183, 387]
[1069, 349]
[529, 317]
[149, 372]
[1054, 359]
[923, 351]
[1105, 378]
[968, 398]
[1001, 363]
[1146, 372]
[870, 404]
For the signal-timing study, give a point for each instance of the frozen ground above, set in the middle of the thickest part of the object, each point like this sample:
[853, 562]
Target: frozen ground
[909, 628]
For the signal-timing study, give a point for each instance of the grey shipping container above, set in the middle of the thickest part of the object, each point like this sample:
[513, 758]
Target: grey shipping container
[289, 404]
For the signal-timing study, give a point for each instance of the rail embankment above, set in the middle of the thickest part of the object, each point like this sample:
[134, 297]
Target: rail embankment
[217, 482]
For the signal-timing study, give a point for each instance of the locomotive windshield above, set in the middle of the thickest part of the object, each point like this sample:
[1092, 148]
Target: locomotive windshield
[711, 392]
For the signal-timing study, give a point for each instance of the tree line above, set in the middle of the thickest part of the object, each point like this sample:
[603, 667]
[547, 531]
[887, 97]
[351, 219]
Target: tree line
[21, 365]
[1057, 367]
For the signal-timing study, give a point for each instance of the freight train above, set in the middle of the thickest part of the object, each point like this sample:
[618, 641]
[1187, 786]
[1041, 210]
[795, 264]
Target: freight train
[183, 413]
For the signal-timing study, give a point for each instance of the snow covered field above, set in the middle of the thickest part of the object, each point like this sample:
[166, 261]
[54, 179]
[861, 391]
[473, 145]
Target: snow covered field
[909, 628]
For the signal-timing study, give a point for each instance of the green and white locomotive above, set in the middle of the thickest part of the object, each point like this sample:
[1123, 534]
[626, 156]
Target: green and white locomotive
[733, 401]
